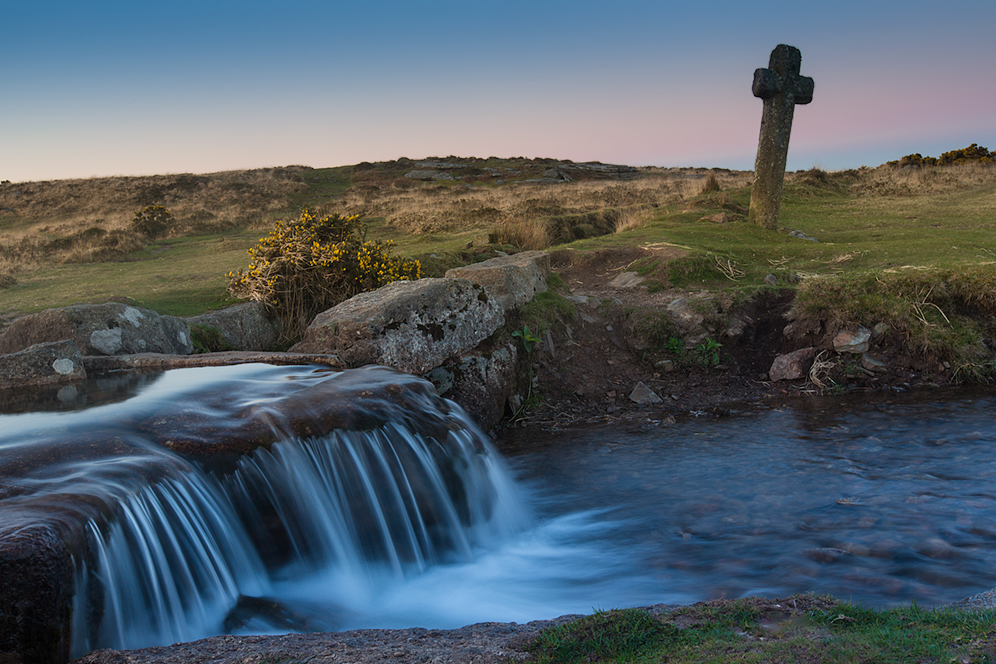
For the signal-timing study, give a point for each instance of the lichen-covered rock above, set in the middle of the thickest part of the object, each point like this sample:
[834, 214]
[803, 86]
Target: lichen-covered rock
[514, 280]
[480, 382]
[111, 328]
[412, 326]
[53, 363]
[245, 326]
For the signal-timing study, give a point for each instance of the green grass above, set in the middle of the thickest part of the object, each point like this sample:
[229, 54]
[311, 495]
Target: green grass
[179, 277]
[808, 629]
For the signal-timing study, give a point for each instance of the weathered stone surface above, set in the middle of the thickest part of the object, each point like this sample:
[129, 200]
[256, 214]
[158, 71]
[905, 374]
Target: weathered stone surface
[684, 314]
[36, 590]
[643, 395]
[111, 328]
[781, 87]
[413, 326]
[154, 362]
[244, 327]
[871, 364]
[428, 175]
[480, 382]
[50, 363]
[627, 280]
[792, 366]
[513, 280]
[856, 342]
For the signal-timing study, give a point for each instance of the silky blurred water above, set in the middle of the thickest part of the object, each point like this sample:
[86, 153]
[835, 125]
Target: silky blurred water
[883, 502]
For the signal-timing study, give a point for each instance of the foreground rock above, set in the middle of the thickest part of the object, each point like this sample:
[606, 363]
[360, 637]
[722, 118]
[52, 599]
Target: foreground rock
[483, 643]
[412, 326]
[55, 363]
[111, 328]
[480, 382]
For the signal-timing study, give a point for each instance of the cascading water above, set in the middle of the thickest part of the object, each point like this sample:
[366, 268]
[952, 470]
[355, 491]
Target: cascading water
[258, 499]
[197, 501]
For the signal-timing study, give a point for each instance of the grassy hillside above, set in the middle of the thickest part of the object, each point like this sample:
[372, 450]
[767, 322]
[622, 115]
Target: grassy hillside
[71, 241]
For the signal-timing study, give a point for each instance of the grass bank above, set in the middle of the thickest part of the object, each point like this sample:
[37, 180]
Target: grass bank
[802, 629]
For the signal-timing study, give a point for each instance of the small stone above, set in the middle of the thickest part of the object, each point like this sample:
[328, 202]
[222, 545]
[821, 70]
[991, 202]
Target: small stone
[771, 279]
[880, 330]
[871, 364]
[665, 365]
[643, 395]
[853, 342]
[792, 366]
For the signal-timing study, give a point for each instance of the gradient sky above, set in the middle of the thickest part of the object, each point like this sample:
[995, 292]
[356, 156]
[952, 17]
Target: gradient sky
[135, 87]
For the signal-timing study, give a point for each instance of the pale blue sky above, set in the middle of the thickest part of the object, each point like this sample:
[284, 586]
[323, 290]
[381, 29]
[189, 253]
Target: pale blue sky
[126, 88]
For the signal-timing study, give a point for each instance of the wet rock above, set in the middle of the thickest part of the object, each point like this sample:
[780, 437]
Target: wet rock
[245, 326]
[412, 326]
[480, 382]
[855, 342]
[111, 328]
[512, 280]
[36, 587]
[50, 363]
[644, 396]
[792, 366]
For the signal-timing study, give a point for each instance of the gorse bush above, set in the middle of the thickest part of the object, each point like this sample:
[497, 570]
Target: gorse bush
[972, 154]
[314, 262]
[154, 221]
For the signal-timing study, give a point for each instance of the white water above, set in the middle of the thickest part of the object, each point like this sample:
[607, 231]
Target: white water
[360, 516]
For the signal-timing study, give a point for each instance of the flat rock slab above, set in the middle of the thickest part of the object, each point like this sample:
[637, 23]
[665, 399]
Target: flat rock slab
[412, 326]
[161, 362]
[111, 328]
[513, 280]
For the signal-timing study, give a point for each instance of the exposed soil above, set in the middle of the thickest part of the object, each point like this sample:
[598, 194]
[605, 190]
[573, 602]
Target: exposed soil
[596, 360]
[586, 368]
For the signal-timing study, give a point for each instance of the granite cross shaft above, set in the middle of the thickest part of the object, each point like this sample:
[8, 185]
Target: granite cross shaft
[781, 87]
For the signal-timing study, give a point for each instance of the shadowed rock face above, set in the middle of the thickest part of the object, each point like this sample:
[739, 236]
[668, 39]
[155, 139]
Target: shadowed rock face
[100, 329]
[412, 326]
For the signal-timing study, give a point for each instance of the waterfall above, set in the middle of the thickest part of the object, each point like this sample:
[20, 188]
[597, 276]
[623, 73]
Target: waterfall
[178, 556]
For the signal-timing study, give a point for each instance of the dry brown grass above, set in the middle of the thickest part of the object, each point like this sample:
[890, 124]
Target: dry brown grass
[913, 181]
[72, 221]
[520, 214]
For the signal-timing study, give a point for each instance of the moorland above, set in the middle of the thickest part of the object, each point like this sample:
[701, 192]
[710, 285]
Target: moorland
[904, 248]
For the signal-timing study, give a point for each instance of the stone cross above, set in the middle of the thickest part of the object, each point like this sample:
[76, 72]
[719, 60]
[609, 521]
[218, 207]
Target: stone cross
[781, 87]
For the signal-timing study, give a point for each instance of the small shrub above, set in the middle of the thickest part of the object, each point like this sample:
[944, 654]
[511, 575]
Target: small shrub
[7, 280]
[312, 263]
[208, 339]
[154, 221]
[710, 184]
